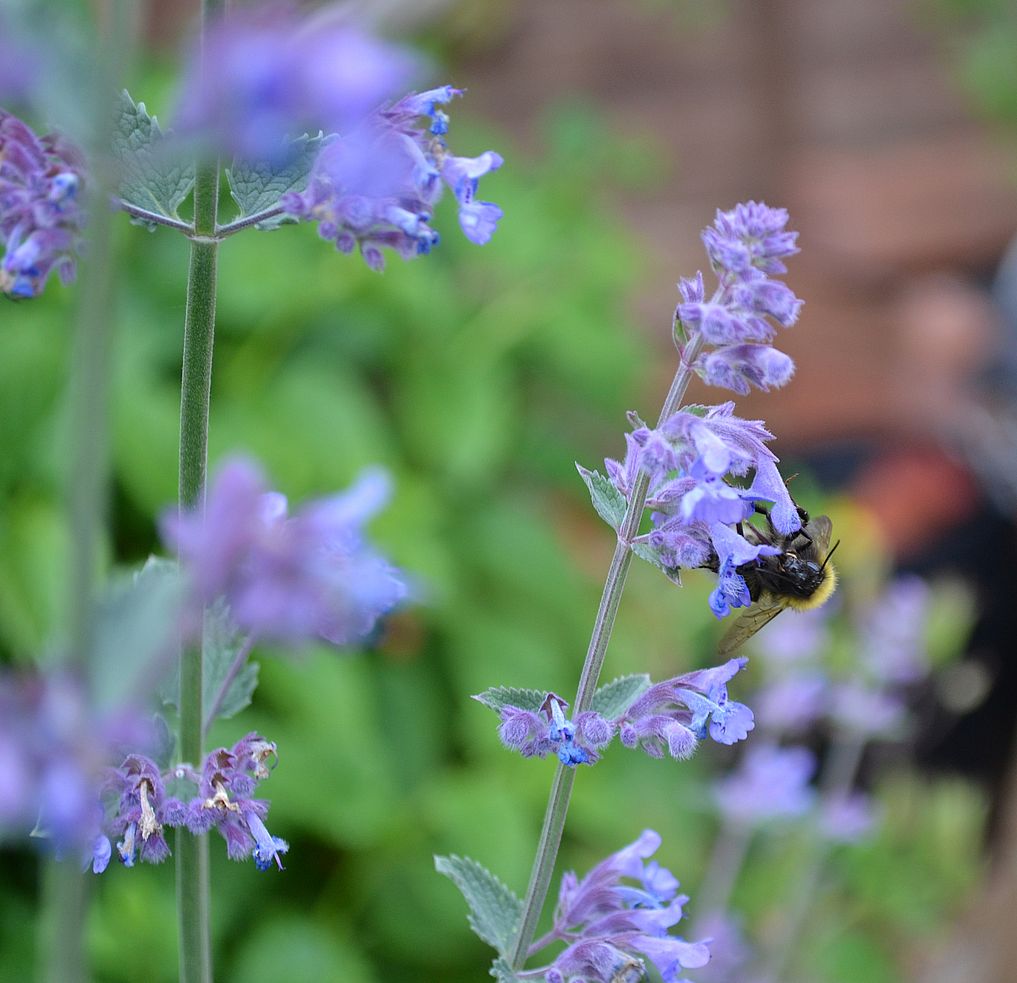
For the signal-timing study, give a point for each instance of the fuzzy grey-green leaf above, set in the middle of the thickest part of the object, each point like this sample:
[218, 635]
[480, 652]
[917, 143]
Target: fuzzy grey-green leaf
[607, 500]
[155, 173]
[257, 186]
[509, 696]
[494, 908]
[612, 699]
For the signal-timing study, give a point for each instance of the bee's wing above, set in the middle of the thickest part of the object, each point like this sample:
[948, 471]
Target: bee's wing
[821, 531]
[757, 616]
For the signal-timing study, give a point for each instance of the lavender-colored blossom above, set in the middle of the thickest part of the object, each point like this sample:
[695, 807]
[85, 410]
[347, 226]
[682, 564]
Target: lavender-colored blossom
[227, 784]
[792, 703]
[547, 731]
[746, 247]
[611, 925]
[41, 217]
[288, 578]
[752, 238]
[865, 710]
[847, 818]
[891, 632]
[712, 499]
[269, 74]
[789, 641]
[731, 953]
[739, 367]
[376, 185]
[143, 808]
[771, 783]
[733, 551]
[674, 715]
[53, 752]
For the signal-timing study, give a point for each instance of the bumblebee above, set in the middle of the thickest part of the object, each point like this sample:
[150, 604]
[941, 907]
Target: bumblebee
[800, 576]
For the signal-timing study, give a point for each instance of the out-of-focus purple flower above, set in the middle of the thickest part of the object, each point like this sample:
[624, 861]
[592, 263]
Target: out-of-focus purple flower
[791, 640]
[269, 74]
[40, 212]
[228, 780]
[891, 632]
[538, 734]
[865, 710]
[791, 704]
[674, 715]
[771, 783]
[376, 185]
[847, 818]
[288, 578]
[53, 753]
[609, 925]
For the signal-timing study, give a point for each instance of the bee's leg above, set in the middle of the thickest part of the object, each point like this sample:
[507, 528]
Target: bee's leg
[769, 522]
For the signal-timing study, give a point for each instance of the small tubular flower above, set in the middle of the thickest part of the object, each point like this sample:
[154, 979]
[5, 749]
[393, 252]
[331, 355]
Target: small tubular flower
[143, 809]
[41, 216]
[536, 734]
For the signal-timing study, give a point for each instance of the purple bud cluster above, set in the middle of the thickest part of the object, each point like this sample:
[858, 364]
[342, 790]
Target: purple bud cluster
[288, 579]
[671, 717]
[41, 216]
[618, 917]
[376, 186]
[746, 246]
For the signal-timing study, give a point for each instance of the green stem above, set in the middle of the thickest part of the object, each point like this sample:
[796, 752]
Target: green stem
[614, 586]
[195, 390]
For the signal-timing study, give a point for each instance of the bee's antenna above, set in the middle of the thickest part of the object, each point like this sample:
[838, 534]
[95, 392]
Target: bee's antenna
[828, 555]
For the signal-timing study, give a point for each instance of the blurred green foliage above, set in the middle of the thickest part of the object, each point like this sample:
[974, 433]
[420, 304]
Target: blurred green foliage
[477, 376]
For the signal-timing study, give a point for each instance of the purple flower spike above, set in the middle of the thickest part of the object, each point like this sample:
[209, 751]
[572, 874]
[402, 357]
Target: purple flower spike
[40, 211]
[750, 239]
[538, 734]
[610, 924]
[284, 578]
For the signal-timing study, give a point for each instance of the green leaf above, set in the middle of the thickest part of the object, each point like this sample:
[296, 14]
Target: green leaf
[502, 972]
[257, 186]
[505, 696]
[614, 698]
[154, 173]
[646, 552]
[135, 631]
[227, 689]
[494, 908]
[607, 500]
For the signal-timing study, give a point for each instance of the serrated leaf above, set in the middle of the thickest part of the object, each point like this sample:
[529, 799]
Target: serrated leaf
[257, 186]
[612, 699]
[155, 174]
[229, 681]
[509, 696]
[494, 908]
[646, 552]
[607, 500]
[135, 632]
[502, 972]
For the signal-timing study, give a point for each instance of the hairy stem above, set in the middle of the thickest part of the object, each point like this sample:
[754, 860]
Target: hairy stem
[614, 585]
[195, 390]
